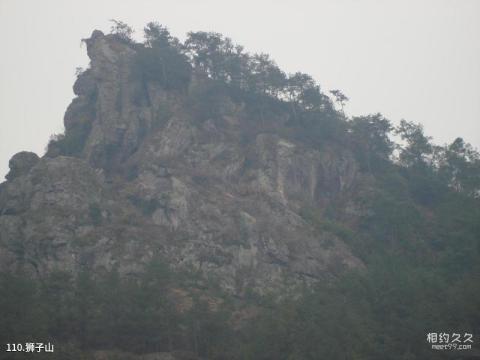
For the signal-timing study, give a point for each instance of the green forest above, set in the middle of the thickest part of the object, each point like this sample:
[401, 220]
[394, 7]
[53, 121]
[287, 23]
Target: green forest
[420, 239]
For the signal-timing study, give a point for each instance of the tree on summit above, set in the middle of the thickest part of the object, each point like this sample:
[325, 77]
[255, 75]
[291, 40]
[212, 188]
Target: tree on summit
[460, 167]
[418, 146]
[340, 99]
[371, 140]
[162, 59]
[121, 30]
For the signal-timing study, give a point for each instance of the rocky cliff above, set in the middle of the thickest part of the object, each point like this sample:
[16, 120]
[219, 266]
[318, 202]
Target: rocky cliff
[145, 176]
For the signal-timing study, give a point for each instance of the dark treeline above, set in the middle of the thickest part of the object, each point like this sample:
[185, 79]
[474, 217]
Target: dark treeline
[107, 311]
[384, 313]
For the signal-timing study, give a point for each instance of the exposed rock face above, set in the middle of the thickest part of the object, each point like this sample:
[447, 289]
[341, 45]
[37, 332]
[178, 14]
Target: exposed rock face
[21, 163]
[220, 195]
[61, 215]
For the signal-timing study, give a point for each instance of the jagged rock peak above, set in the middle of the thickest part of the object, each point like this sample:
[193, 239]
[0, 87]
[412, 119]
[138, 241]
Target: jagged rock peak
[21, 163]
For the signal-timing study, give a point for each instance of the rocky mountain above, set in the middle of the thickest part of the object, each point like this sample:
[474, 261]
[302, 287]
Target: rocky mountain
[217, 165]
[220, 195]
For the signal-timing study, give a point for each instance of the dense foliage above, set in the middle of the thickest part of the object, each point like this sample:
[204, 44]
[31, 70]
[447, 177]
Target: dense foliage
[106, 311]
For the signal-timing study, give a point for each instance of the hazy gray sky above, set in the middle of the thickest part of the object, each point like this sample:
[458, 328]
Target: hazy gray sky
[418, 60]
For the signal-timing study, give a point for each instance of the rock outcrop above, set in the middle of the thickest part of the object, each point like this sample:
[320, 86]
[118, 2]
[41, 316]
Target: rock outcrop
[21, 163]
[146, 177]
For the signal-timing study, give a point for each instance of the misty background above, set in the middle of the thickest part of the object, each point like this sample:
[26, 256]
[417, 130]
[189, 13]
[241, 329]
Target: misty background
[417, 60]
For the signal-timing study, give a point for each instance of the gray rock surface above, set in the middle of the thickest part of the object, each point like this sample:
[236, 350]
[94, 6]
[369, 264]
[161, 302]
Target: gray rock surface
[21, 163]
